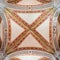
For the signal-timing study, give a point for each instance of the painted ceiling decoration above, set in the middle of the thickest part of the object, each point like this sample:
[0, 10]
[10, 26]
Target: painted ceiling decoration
[44, 58]
[15, 58]
[13, 1]
[29, 29]
[44, 1]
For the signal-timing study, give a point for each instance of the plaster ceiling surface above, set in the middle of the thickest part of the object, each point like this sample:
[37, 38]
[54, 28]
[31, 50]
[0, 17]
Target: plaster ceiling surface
[30, 30]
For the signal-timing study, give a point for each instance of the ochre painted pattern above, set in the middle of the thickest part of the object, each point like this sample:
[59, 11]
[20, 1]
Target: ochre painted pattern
[9, 27]
[14, 58]
[13, 1]
[37, 11]
[44, 1]
[45, 58]
[27, 48]
[29, 29]
[50, 31]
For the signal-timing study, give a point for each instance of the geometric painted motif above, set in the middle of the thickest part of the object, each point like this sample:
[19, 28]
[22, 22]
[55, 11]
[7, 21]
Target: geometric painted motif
[29, 31]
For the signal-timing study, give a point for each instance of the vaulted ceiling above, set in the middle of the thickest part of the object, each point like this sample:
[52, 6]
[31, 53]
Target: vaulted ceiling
[29, 29]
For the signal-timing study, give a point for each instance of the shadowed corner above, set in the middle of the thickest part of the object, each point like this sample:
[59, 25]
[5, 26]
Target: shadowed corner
[44, 58]
[59, 41]
[13, 1]
[0, 42]
[14, 58]
[0, 19]
[59, 19]
[0, 33]
[59, 35]
[44, 1]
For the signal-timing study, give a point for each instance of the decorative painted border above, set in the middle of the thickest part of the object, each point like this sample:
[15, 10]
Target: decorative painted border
[27, 48]
[55, 34]
[29, 30]
[37, 11]
[30, 52]
[51, 31]
[37, 7]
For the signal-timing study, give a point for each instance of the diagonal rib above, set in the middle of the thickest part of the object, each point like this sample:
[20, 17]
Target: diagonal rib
[42, 18]
[42, 41]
